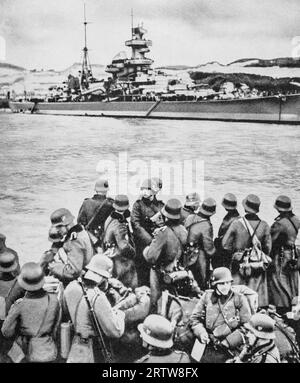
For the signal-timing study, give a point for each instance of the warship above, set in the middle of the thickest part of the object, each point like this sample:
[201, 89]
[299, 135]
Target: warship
[135, 90]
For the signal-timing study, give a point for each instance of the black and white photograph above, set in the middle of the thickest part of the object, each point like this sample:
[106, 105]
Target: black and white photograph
[149, 172]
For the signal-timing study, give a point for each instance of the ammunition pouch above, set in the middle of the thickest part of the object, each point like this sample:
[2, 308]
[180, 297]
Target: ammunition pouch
[250, 262]
[179, 279]
[222, 331]
[234, 340]
[290, 258]
[225, 329]
[175, 276]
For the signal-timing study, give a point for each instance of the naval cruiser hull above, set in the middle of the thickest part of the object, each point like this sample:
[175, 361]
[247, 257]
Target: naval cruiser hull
[273, 109]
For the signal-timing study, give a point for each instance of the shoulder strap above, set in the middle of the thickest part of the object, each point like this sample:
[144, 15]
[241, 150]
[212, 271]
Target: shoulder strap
[251, 232]
[10, 289]
[44, 318]
[95, 214]
[265, 354]
[296, 230]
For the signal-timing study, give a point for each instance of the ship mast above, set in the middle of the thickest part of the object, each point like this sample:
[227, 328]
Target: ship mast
[131, 22]
[86, 71]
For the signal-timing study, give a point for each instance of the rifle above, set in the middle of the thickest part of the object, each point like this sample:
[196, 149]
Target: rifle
[106, 351]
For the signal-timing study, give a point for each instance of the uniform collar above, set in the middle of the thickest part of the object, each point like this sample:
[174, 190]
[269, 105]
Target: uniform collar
[222, 298]
[7, 276]
[203, 216]
[75, 229]
[120, 217]
[188, 209]
[36, 294]
[286, 214]
[161, 351]
[99, 196]
[252, 217]
[232, 213]
[147, 201]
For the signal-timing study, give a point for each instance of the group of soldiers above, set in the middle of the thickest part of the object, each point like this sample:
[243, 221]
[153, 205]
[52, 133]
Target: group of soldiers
[154, 285]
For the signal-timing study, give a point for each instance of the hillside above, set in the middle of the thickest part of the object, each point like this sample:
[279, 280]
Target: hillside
[261, 83]
[282, 62]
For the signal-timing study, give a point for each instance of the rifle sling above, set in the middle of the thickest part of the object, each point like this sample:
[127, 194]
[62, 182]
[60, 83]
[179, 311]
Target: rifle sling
[95, 214]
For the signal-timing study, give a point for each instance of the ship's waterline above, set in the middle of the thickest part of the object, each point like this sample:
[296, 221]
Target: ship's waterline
[49, 162]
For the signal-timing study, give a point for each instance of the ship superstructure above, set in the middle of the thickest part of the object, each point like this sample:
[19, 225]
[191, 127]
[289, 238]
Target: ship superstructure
[137, 69]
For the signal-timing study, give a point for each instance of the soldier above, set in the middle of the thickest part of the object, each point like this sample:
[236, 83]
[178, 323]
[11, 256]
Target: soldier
[143, 209]
[165, 249]
[229, 203]
[33, 320]
[136, 306]
[84, 347]
[284, 274]
[192, 202]
[5, 249]
[200, 242]
[118, 243]
[94, 211]
[218, 316]
[157, 333]
[156, 186]
[261, 337]
[241, 235]
[10, 291]
[77, 249]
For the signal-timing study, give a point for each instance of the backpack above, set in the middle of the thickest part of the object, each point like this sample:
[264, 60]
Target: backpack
[3, 301]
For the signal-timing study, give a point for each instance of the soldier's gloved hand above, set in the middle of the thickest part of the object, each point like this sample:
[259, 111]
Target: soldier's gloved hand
[47, 257]
[51, 266]
[203, 337]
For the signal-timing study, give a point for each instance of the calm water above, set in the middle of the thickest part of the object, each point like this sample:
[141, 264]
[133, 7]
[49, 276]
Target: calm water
[48, 162]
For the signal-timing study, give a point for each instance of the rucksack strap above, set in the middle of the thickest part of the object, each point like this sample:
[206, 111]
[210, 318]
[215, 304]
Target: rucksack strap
[296, 230]
[253, 236]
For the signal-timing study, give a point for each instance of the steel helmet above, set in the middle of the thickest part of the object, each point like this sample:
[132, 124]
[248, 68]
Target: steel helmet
[262, 326]
[101, 185]
[229, 201]
[31, 277]
[121, 202]
[146, 184]
[156, 184]
[221, 275]
[283, 203]
[61, 217]
[251, 204]
[208, 207]
[8, 262]
[192, 199]
[100, 264]
[157, 331]
[172, 209]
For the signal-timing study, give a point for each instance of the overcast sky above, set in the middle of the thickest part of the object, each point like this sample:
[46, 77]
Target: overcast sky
[49, 33]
